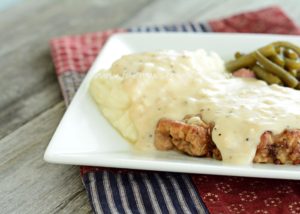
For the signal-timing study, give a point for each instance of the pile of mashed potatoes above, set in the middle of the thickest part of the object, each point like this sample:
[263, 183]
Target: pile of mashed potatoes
[139, 89]
[135, 92]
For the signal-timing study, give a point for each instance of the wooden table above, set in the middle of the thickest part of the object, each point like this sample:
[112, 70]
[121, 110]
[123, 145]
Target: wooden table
[31, 103]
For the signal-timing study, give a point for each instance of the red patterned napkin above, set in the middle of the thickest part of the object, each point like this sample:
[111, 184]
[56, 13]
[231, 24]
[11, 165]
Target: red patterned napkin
[73, 55]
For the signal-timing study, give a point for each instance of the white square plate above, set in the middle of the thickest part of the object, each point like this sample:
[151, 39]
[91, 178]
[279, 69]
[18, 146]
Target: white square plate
[84, 137]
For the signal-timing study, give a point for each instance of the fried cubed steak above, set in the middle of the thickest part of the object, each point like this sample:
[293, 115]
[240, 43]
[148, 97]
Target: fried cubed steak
[193, 137]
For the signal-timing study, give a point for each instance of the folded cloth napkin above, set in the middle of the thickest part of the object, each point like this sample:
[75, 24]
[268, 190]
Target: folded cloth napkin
[133, 191]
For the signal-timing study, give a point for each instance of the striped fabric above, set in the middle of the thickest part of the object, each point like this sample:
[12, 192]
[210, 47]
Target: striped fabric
[142, 192]
[131, 191]
[186, 27]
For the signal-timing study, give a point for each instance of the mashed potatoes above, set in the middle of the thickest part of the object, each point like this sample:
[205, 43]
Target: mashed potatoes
[139, 89]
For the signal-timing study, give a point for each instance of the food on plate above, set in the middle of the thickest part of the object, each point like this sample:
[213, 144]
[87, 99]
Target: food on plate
[265, 75]
[276, 63]
[187, 101]
[193, 137]
[244, 72]
[276, 70]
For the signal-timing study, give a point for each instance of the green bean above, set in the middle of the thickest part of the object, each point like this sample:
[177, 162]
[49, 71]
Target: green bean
[277, 60]
[292, 64]
[288, 53]
[285, 77]
[293, 72]
[249, 60]
[287, 45]
[298, 75]
[278, 50]
[238, 55]
[265, 75]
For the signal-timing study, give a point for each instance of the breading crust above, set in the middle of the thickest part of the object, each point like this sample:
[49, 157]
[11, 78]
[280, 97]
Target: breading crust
[193, 137]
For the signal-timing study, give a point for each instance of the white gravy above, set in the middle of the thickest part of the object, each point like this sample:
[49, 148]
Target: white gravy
[171, 84]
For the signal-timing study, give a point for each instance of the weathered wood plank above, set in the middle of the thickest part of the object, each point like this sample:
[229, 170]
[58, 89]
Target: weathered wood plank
[161, 12]
[28, 92]
[30, 185]
[230, 7]
[170, 11]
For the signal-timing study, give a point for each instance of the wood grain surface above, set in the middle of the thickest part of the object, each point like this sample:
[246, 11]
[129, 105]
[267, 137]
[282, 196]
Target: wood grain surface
[31, 104]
